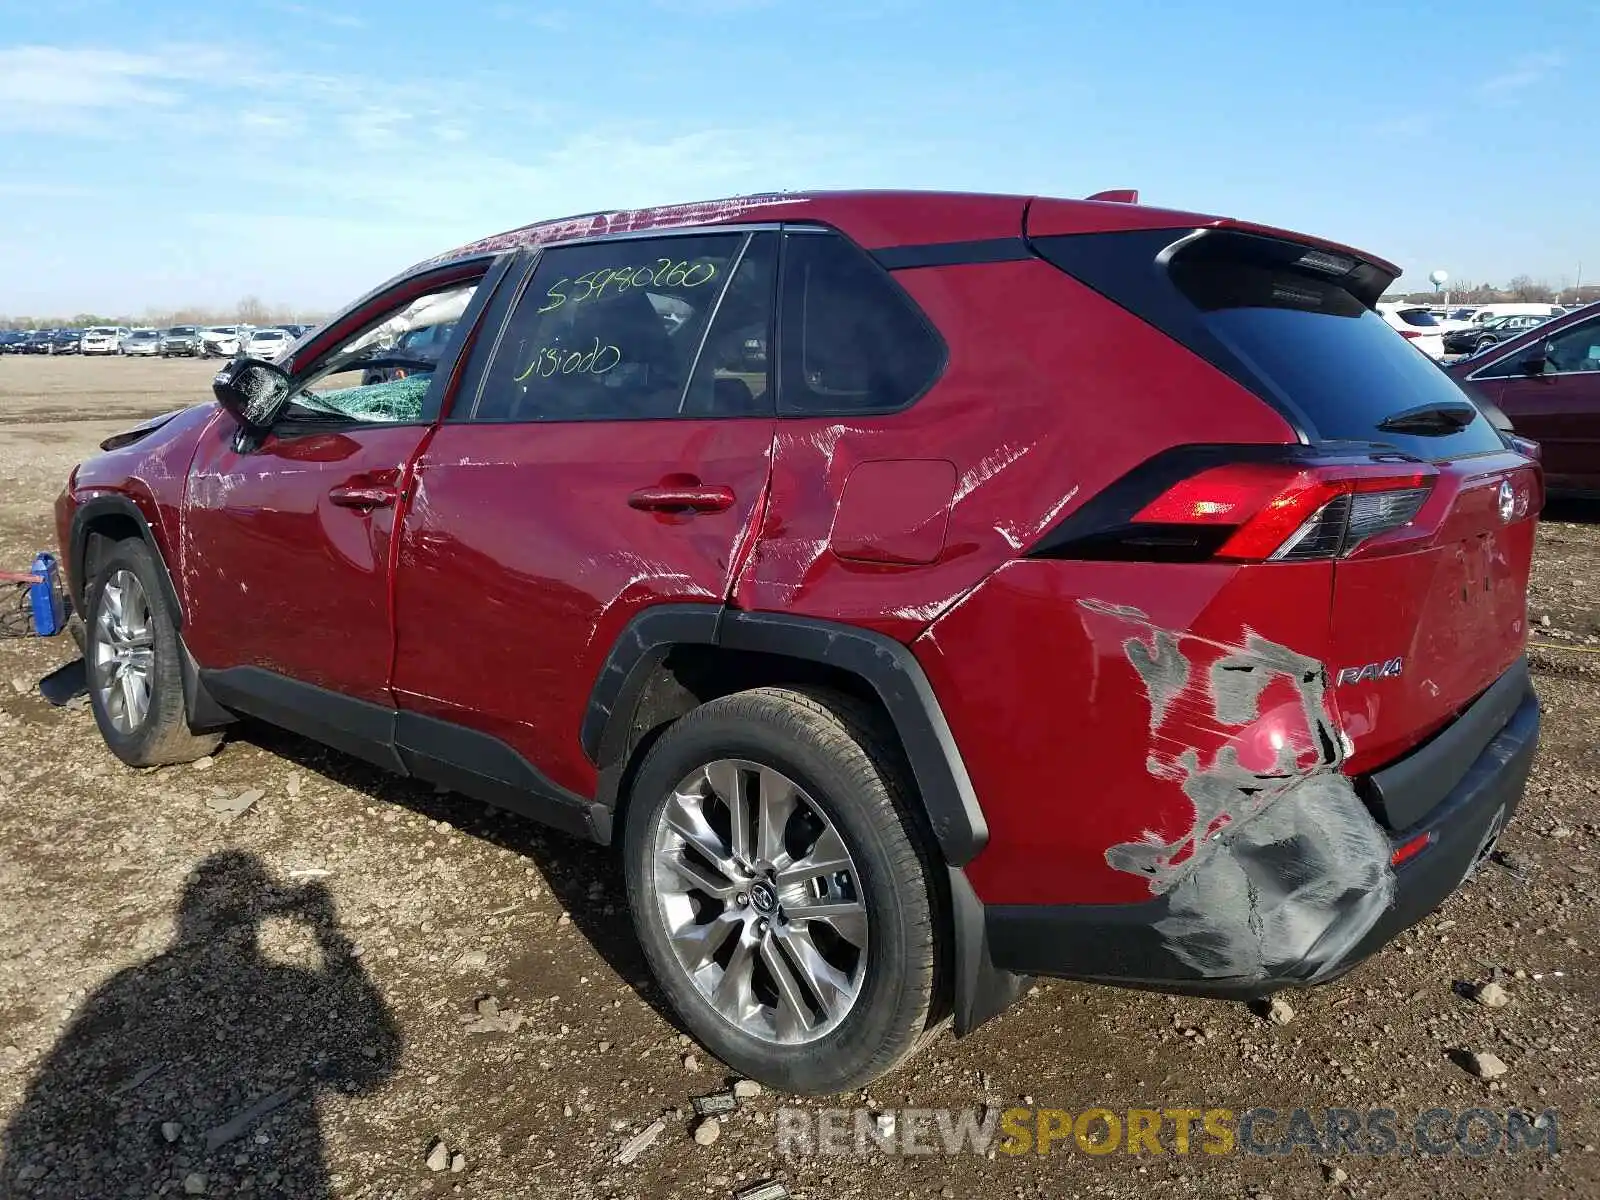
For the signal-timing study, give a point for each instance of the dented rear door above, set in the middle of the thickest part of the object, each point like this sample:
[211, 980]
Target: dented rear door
[606, 453]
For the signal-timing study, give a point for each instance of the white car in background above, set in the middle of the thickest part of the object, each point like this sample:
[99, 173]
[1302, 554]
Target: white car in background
[102, 339]
[268, 344]
[146, 342]
[1417, 325]
[220, 341]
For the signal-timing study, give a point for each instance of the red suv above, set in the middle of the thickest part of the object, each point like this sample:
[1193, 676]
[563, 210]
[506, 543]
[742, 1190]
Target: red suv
[1546, 382]
[922, 591]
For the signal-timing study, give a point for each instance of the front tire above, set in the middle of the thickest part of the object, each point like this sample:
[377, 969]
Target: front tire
[783, 890]
[135, 664]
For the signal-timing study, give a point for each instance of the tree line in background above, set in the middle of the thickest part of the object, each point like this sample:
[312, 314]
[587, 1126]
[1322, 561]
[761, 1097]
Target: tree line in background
[1520, 289]
[249, 311]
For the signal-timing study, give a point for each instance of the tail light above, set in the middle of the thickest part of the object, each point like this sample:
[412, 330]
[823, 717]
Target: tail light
[1408, 334]
[1287, 513]
[1243, 504]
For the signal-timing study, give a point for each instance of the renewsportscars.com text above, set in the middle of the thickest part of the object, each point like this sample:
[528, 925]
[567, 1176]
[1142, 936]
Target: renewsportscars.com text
[1474, 1132]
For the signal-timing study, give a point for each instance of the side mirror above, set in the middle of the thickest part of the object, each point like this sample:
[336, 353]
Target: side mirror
[255, 392]
[1536, 366]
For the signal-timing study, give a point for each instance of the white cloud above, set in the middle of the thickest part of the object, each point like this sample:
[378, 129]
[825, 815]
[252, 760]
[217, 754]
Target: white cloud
[339, 20]
[1528, 71]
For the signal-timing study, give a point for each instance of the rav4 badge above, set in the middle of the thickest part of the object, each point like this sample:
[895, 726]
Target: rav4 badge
[1376, 670]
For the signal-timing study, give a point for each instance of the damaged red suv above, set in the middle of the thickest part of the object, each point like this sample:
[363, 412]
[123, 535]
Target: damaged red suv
[921, 591]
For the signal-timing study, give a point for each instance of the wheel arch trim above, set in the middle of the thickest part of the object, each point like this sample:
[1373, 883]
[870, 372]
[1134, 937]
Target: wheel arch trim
[94, 510]
[887, 667]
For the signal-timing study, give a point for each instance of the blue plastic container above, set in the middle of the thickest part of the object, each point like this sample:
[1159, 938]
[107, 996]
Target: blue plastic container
[44, 597]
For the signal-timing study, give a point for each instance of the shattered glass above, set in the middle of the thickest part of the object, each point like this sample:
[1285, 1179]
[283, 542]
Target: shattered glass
[396, 400]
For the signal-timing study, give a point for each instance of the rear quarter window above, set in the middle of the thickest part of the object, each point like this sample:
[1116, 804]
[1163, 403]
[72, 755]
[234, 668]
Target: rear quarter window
[851, 340]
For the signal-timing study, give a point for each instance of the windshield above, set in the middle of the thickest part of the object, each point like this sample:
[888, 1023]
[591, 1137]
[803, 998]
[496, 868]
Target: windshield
[98, 332]
[268, 335]
[181, 331]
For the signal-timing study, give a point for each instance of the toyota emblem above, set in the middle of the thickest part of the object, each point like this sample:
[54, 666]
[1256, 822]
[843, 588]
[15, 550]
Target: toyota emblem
[1508, 501]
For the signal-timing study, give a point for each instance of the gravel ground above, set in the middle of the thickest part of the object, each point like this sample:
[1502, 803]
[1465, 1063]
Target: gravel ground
[355, 980]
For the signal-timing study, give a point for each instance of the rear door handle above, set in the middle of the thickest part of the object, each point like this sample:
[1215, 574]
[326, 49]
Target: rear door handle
[700, 498]
[364, 498]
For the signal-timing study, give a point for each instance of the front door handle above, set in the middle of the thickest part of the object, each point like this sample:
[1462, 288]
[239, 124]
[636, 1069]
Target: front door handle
[364, 498]
[699, 497]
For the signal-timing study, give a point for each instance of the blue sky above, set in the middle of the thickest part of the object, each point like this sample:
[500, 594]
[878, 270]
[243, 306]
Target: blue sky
[170, 153]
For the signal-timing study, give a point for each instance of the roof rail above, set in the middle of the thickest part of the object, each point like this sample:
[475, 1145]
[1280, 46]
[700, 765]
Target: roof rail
[1117, 196]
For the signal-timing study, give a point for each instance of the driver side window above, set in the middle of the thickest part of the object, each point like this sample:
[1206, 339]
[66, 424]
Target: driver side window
[383, 374]
[1575, 349]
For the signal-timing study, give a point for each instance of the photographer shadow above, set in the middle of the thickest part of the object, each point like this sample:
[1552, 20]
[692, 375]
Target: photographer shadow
[200, 1071]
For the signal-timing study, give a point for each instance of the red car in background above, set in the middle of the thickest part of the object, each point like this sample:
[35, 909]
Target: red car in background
[1547, 383]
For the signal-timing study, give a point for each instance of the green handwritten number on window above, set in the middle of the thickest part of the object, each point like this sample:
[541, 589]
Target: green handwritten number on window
[594, 284]
[554, 360]
[556, 296]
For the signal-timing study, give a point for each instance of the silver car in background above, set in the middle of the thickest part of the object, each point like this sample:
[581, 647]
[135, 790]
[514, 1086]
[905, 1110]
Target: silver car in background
[182, 340]
[143, 343]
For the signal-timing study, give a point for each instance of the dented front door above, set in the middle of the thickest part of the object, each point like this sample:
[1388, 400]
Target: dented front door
[285, 553]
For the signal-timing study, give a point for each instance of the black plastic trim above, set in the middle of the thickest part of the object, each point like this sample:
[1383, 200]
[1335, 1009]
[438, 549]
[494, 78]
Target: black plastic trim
[637, 652]
[120, 506]
[482, 766]
[954, 254]
[885, 665]
[1406, 791]
[982, 990]
[894, 674]
[356, 727]
[408, 744]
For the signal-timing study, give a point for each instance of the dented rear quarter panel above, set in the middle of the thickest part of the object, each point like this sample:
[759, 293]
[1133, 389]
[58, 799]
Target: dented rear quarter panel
[1072, 752]
[1049, 394]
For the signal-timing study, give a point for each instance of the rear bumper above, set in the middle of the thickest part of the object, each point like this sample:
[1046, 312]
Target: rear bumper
[1133, 945]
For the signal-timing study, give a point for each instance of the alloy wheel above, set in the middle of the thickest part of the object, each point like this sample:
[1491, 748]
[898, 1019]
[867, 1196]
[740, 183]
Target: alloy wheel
[761, 901]
[124, 652]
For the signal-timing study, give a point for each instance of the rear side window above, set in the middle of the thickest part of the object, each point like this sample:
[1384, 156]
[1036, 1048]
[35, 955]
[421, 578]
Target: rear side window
[612, 330]
[1292, 325]
[1418, 316]
[852, 341]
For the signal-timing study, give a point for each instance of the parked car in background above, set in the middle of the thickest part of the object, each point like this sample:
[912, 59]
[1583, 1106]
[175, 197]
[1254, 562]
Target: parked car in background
[12, 340]
[1475, 337]
[895, 676]
[1417, 325]
[1517, 308]
[220, 341]
[1464, 313]
[181, 341]
[101, 339]
[142, 343]
[1546, 380]
[66, 341]
[37, 341]
[267, 344]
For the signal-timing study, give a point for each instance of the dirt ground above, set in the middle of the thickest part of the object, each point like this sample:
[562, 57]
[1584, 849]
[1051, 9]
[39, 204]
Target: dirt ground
[290, 1001]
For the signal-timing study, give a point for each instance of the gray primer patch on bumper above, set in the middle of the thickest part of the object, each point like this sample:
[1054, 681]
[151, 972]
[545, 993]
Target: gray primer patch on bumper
[1281, 872]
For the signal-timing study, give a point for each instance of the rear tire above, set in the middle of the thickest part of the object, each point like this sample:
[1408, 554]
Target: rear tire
[134, 662]
[803, 954]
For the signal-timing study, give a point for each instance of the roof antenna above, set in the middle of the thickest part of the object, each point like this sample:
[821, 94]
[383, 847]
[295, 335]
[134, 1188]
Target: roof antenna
[1117, 196]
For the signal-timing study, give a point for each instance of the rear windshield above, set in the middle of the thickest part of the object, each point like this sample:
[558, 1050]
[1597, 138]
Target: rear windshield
[1302, 338]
